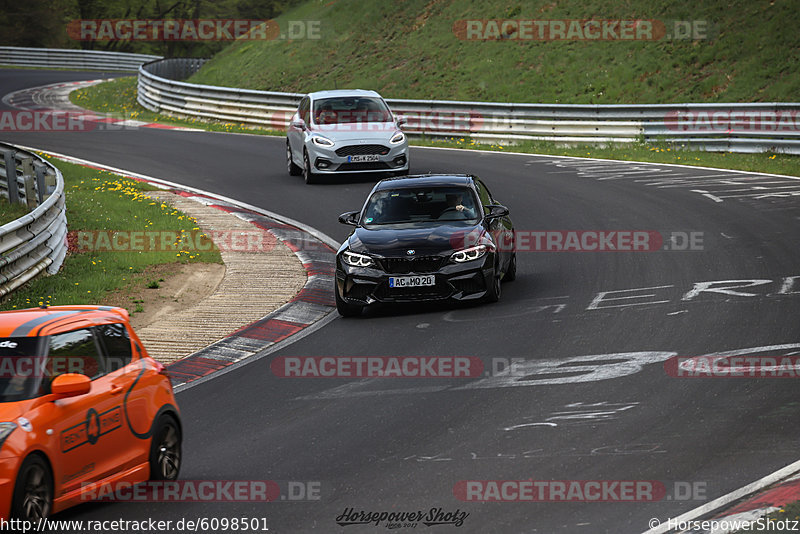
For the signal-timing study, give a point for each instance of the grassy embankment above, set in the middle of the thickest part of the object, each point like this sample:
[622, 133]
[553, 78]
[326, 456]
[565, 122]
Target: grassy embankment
[94, 267]
[410, 50]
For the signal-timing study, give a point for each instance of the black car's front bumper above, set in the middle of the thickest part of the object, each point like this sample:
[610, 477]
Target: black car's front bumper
[457, 281]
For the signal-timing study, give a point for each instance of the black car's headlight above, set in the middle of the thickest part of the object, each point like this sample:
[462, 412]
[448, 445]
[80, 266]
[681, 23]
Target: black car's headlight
[397, 138]
[5, 430]
[357, 260]
[469, 254]
[322, 141]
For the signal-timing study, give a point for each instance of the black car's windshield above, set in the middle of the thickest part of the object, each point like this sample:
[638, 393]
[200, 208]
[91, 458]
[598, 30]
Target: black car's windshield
[21, 365]
[423, 204]
[350, 109]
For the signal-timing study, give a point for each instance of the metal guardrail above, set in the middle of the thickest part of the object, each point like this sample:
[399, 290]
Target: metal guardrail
[36, 241]
[73, 59]
[750, 127]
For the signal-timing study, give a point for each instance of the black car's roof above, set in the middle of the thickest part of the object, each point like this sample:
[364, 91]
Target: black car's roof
[424, 180]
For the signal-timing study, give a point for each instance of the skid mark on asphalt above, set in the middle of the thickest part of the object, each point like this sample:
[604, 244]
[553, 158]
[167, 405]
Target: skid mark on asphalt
[520, 372]
[532, 454]
[716, 186]
[579, 413]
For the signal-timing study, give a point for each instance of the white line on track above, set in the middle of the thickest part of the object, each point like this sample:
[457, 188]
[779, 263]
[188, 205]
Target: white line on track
[727, 499]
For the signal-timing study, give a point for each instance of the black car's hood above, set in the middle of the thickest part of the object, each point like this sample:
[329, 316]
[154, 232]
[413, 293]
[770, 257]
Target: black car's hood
[424, 240]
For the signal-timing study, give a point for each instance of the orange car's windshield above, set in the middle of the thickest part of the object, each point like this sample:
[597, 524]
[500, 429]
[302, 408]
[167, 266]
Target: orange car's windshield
[21, 368]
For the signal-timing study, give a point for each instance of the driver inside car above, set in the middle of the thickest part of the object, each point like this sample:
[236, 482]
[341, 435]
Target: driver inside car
[455, 209]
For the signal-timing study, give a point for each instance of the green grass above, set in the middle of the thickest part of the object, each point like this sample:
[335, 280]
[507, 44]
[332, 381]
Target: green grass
[100, 200]
[409, 50]
[784, 518]
[9, 212]
[118, 99]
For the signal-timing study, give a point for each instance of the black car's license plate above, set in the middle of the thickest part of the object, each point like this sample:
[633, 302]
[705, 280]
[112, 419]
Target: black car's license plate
[412, 281]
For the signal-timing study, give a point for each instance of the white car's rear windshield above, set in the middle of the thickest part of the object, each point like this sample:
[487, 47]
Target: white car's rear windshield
[350, 109]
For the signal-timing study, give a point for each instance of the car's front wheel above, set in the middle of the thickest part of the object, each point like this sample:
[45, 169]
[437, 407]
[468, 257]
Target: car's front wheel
[494, 290]
[346, 309]
[511, 273]
[308, 173]
[294, 169]
[165, 449]
[33, 490]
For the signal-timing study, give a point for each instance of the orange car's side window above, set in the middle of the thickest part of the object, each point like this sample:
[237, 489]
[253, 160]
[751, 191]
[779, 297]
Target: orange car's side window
[117, 343]
[73, 352]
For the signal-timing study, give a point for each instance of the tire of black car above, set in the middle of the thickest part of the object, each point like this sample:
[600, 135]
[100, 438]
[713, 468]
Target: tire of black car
[346, 309]
[511, 273]
[494, 290]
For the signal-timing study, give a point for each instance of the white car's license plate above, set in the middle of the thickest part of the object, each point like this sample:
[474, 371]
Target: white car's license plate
[412, 281]
[363, 158]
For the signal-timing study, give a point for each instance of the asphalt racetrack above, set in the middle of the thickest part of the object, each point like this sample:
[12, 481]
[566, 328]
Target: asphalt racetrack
[592, 402]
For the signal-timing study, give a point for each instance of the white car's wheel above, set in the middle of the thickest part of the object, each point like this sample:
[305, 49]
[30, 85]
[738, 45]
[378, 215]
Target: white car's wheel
[308, 174]
[294, 169]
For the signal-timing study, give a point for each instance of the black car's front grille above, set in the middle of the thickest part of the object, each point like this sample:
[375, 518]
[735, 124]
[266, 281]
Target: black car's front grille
[363, 166]
[473, 284]
[441, 290]
[362, 150]
[424, 264]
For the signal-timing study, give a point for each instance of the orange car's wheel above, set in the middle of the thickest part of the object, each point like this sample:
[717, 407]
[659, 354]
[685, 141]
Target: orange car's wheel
[165, 450]
[33, 490]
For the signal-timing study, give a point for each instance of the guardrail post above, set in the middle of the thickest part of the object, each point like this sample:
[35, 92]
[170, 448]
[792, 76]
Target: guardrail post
[41, 188]
[36, 242]
[50, 182]
[11, 177]
[28, 177]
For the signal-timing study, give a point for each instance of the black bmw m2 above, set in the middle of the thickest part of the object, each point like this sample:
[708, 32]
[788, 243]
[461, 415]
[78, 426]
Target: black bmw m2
[424, 238]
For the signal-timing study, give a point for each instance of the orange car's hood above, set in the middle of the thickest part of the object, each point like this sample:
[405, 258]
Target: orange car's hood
[10, 411]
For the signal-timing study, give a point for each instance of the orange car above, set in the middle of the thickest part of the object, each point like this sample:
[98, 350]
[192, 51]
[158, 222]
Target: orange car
[81, 404]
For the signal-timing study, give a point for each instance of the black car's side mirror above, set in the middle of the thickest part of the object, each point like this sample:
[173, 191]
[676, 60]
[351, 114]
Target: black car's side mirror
[351, 218]
[496, 211]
